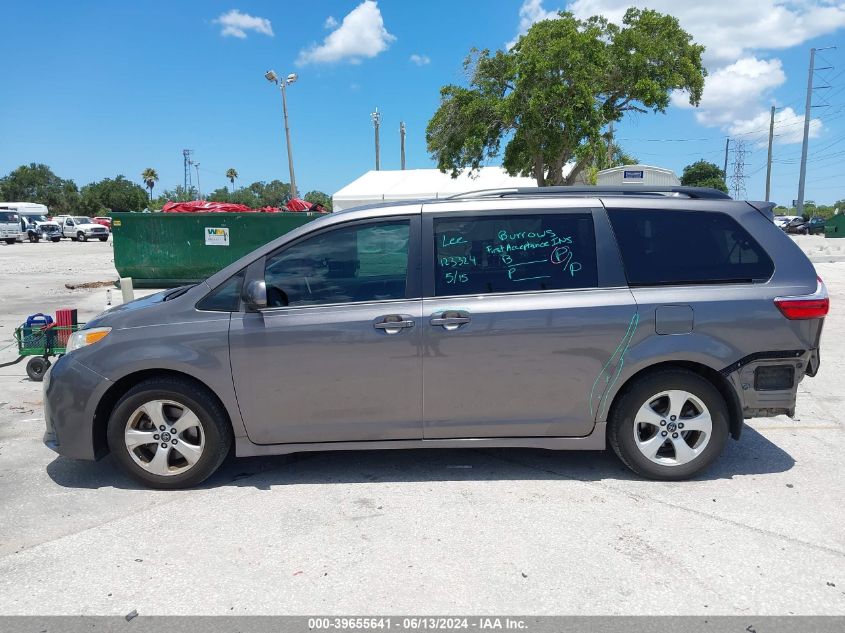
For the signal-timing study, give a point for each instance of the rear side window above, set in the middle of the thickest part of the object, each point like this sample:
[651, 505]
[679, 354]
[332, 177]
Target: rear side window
[514, 253]
[687, 247]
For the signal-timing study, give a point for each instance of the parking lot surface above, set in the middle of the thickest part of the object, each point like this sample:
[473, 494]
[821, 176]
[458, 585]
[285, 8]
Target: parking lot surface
[424, 531]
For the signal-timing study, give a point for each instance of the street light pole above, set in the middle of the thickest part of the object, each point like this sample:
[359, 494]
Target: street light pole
[199, 189]
[283, 84]
[293, 192]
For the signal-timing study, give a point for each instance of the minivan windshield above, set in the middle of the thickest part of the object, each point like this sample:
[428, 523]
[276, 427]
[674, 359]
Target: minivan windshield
[81, 219]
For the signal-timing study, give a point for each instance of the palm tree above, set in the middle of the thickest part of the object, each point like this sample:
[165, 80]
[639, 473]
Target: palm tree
[231, 174]
[150, 178]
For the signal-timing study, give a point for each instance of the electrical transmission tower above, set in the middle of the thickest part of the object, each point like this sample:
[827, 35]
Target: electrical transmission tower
[186, 158]
[738, 175]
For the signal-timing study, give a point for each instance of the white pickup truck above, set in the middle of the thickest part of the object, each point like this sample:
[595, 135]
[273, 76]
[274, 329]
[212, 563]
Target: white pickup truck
[81, 228]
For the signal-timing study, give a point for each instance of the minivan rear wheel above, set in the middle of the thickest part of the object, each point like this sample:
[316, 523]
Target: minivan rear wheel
[169, 433]
[669, 425]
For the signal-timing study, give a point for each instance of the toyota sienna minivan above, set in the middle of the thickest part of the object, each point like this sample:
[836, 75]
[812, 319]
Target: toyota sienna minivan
[651, 320]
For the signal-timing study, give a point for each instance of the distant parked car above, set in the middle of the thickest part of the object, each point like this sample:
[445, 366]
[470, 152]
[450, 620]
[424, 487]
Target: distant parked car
[104, 220]
[782, 220]
[81, 228]
[813, 226]
[793, 224]
[35, 226]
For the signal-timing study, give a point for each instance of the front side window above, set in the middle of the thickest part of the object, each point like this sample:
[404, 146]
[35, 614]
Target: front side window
[668, 247]
[226, 297]
[365, 262]
[514, 253]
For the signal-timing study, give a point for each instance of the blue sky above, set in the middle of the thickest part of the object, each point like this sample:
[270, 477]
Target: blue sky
[96, 89]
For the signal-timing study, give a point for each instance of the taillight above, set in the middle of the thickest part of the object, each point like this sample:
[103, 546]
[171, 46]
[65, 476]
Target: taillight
[795, 309]
[814, 306]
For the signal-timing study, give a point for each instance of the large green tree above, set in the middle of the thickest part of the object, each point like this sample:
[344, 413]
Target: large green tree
[115, 194]
[318, 197]
[702, 173]
[36, 182]
[548, 98]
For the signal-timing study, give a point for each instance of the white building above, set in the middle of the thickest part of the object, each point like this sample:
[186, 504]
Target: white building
[414, 184]
[637, 175]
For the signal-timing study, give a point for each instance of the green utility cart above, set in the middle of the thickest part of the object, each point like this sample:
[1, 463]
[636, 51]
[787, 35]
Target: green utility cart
[163, 250]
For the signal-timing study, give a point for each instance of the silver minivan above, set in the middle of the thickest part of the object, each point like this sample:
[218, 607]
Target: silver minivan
[651, 320]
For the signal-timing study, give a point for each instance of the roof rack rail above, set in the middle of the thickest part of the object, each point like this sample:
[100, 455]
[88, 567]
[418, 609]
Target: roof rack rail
[698, 193]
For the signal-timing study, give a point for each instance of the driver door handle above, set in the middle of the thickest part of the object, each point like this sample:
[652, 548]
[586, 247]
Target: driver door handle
[393, 323]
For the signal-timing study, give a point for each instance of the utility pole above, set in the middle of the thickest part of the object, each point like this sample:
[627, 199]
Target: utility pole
[402, 144]
[376, 117]
[727, 146]
[610, 145]
[808, 106]
[769, 160]
[199, 189]
[799, 208]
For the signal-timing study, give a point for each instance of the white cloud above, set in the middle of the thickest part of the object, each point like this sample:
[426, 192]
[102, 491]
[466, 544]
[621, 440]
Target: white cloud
[330, 22]
[530, 13]
[789, 127]
[236, 24]
[735, 91]
[731, 28]
[420, 60]
[361, 34]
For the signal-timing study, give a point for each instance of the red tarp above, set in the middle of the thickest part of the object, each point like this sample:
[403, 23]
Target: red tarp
[202, 206]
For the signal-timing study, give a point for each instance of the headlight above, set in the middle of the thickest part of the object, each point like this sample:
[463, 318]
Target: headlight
[83, 338]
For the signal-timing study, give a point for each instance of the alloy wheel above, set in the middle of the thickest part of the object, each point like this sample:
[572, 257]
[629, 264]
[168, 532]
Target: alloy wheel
[164, 437]
[672, 427]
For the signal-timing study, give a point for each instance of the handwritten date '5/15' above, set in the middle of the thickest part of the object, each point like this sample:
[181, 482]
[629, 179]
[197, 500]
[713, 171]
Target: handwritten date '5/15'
[454, 277]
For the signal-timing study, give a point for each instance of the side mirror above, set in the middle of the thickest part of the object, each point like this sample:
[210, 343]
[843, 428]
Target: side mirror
[256, 295]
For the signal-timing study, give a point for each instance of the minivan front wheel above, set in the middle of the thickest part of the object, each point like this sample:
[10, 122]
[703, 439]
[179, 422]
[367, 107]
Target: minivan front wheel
[169, 433]
[669, 425]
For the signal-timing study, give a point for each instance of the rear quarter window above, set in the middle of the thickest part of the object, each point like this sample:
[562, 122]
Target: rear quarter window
[668, 247]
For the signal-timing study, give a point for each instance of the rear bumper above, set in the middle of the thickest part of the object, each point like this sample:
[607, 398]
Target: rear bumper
[71, 394]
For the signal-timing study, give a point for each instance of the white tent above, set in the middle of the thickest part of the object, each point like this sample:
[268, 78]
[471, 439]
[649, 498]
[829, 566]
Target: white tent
[413, 184]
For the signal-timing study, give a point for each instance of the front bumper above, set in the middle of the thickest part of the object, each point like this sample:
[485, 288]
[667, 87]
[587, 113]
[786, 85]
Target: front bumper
[71, 394]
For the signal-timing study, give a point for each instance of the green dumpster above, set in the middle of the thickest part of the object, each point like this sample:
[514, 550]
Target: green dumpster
[835, 226]
[162, 250]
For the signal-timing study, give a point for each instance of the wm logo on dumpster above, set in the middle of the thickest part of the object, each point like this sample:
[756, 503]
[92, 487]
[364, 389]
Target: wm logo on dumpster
[216, 236]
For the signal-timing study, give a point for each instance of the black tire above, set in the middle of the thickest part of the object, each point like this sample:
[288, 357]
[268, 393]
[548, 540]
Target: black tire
[55, 239]
[36, 367]
[621, 423]
[104, 239]
[33, 238]
[81, 237]
[213, 420]
[10, 242]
